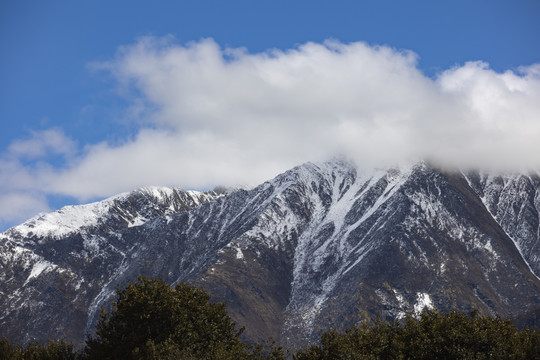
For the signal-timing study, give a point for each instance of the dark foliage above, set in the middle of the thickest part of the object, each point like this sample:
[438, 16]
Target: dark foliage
[152, 320]
[431, 336]
[53, 350]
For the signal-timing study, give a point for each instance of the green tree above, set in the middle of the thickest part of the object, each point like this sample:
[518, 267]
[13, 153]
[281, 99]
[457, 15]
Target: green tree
[53, 350]
[151, 320]
[432, 336]
[8, 351]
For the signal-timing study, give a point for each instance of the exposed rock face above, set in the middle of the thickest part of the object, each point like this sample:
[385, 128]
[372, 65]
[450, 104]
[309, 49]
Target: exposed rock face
[514, 201]
[319, 246]
[57, 269]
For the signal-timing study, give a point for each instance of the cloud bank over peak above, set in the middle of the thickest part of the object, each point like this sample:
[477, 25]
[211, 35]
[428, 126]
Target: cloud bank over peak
[370, 102]
[213, 115]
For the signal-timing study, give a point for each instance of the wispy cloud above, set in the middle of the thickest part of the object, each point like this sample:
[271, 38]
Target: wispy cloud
[24, 170]
[225, 116]
[43, 143]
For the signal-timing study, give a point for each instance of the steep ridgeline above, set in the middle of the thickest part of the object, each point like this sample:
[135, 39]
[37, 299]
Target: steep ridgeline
[320, 246]
[514, 201]
[55, 266]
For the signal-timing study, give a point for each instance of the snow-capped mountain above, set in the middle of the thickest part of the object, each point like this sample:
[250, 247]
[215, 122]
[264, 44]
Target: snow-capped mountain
[322, 245]
[55, 267]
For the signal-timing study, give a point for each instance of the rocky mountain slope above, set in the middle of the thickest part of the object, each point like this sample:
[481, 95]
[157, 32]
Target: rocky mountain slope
[322, 245]
[55, 269]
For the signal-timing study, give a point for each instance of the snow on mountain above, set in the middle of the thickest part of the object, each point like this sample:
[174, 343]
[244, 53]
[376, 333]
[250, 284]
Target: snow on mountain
[132, 209]
[72, 253]
[321, 245]
[514, 201]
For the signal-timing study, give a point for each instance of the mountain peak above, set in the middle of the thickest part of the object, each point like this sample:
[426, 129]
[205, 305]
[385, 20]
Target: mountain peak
[130, 208]
[321, 245]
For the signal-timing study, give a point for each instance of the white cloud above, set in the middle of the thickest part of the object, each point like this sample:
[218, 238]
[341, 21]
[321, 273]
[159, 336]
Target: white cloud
[18, 206]
[43, 143]
[225, 116]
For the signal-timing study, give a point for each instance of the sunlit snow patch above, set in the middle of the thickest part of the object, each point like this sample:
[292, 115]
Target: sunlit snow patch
[38, 268]
[239, 253]
[423, 301]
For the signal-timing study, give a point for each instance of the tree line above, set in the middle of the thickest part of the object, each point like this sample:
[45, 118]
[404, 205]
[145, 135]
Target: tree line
[152, 320]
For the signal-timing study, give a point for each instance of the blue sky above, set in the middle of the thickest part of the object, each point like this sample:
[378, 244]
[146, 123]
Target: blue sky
[66, 96]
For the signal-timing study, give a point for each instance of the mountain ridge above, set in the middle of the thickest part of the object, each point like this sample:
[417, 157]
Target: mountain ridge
[321, 245]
